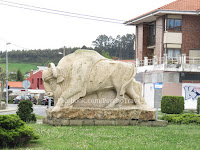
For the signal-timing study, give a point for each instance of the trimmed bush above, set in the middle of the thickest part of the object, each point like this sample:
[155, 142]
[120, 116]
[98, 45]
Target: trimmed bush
[25, 111]
[172, 104]
[182, 118]
[198, 105]
[14, 132]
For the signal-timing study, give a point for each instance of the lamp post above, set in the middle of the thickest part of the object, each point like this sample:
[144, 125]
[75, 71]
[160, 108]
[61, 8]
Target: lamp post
[7, 74]
[63, 52]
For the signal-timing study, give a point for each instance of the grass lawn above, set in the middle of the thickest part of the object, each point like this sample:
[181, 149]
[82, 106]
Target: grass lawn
[40, 117]
[13, 67]
[183, 137]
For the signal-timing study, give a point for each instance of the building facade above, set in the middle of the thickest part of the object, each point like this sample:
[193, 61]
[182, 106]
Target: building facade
[172, 29]
[36, 80]
[168, 51]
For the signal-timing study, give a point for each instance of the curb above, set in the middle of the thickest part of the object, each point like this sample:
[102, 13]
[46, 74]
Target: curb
[7, 110]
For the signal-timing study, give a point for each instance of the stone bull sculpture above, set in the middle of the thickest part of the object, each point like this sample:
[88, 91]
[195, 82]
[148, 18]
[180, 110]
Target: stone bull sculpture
[85, 72]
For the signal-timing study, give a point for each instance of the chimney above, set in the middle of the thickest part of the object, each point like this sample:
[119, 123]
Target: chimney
[31, 73]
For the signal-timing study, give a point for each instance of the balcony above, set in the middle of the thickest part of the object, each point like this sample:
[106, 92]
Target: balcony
[178, 64]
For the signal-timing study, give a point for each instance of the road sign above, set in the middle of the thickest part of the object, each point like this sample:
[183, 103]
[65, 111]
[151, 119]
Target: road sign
[158, 85]
[26, 84]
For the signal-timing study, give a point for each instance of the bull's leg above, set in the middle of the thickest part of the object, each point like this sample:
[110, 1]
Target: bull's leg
[59, 105]
[72, 99]
[133, 95]
[67, 99]
[116, 101]
[113, 103]
[137, 87]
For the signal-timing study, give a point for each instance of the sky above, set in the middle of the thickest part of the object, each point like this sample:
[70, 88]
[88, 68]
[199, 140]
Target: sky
[26, 29]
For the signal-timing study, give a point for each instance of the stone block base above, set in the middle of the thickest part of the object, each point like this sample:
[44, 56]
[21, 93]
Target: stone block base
[96, 122]
[142, 112]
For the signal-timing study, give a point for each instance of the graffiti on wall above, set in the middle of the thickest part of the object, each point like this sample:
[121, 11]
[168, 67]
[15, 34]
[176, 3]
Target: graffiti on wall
[191, 92]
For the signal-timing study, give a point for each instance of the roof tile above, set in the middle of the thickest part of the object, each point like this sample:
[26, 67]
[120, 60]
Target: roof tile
[14, 84]
[184, 5]
[179, 5]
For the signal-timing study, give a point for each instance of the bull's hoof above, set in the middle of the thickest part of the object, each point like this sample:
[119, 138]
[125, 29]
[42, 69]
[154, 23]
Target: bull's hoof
[56, 109]
[111, 105]
[114, 103]
[56, 112]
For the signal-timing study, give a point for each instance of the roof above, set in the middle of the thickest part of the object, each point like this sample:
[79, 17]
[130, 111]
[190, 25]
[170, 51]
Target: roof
[183, 5]
[14, 84]
[177, 7]
[40, 68]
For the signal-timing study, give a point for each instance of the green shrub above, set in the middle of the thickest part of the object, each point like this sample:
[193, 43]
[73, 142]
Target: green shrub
[172, 104]
[25, 111]
[198, 105]
[182, 118]
[14, 132]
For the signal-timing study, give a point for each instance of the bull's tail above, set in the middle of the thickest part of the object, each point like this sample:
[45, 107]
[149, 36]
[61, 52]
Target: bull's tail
[123, 88]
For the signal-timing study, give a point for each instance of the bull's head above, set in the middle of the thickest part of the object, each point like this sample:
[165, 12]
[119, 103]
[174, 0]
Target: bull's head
[51, 78]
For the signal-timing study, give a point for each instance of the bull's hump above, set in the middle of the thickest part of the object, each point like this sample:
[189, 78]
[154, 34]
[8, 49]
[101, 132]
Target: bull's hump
[85, 51]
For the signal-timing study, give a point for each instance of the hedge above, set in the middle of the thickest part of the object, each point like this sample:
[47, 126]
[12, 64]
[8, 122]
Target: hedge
[14, 132]
[182, 118]
[172, 104]
[25, 111]
[198, 105]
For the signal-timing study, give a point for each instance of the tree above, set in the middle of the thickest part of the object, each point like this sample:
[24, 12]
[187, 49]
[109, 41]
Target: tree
[20, 77]
[101, 42]
[106, 54]
[120, 47]
[83, 47]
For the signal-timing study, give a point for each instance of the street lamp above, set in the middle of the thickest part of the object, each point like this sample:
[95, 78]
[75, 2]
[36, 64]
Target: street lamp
[63, 52]
[7, 74]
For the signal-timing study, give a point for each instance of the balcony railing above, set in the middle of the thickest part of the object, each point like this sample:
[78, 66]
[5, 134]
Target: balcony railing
[166, 63]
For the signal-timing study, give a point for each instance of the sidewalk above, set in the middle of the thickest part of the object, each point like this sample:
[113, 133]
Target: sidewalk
[9, 108]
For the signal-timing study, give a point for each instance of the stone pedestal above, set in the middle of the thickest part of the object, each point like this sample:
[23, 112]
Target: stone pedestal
[129, 115]
[96, 122]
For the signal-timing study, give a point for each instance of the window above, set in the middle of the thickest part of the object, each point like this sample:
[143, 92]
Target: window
[174, 24]
[38, 80]
[151, 34]
[173, 53]
[41, 81]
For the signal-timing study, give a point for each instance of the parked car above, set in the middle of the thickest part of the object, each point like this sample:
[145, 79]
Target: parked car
[17, 99]
[45, 101]
[34, 100]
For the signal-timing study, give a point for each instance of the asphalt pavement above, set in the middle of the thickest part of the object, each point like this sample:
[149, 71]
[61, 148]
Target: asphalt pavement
[12, 108]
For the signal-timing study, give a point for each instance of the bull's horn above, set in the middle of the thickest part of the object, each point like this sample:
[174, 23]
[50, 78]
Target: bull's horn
[52, 66]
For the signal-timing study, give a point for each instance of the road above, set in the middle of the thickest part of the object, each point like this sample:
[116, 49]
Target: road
[37, 109]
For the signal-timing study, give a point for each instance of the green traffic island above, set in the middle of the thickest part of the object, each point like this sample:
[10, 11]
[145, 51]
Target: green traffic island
[105, 122]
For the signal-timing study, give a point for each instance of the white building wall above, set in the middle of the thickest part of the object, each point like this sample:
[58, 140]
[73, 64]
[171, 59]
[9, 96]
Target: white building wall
[191, 92]
[149, 94]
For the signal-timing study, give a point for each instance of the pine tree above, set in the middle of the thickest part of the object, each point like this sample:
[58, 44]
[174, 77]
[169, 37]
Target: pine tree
[20, 77]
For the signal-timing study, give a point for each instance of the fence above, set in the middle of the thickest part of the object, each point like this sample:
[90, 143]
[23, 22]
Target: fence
[181, 59]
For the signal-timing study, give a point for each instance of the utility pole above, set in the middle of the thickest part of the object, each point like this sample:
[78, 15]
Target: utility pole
[7, 74]
[64, 52]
